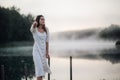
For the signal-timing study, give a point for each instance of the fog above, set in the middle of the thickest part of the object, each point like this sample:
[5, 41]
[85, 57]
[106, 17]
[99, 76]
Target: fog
[80, 47]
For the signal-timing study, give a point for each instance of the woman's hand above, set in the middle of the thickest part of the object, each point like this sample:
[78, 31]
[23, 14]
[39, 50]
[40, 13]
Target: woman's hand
[35, 24]
[47, 56]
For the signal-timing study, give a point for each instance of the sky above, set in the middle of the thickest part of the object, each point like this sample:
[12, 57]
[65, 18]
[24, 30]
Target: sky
[66, 15]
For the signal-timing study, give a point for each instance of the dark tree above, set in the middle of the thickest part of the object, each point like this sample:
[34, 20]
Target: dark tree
[14, 26]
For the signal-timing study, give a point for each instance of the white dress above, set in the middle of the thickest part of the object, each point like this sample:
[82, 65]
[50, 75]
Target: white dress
[39, 52]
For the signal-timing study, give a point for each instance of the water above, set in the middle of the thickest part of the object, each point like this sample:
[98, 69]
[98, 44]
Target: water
[85, 69]
[92, 60]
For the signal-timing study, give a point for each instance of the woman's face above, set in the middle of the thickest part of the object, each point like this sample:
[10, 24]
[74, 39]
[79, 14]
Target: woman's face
[42, 21]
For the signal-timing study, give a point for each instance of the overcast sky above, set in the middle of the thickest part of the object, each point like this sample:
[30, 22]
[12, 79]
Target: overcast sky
[64, 15]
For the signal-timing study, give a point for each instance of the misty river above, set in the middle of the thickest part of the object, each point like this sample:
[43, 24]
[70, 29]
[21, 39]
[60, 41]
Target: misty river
[92, 60]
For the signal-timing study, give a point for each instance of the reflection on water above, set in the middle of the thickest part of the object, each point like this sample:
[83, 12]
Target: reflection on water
[113, 55]
[90, 62]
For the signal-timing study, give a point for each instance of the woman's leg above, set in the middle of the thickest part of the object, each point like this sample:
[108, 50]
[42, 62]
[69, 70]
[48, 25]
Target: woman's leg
[39, 78]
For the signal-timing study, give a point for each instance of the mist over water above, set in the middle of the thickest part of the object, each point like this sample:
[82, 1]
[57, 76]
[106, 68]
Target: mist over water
[86, 48]
[85, 44]
[93, 59]
[80, 47]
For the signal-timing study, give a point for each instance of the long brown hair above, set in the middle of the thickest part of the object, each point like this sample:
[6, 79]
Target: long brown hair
[37, 19]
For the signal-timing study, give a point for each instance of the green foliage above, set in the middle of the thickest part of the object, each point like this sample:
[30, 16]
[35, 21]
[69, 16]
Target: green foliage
[112, 32]
[14, 26]
[14, 67]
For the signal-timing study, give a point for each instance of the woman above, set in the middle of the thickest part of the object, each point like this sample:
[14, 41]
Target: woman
[41, 47]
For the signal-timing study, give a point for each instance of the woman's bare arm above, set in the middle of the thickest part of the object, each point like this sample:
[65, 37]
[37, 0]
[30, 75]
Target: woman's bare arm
[47, 44]
[33, 26]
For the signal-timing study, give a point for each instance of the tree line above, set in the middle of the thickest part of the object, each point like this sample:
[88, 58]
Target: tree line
[14, 26]
[111, 33]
